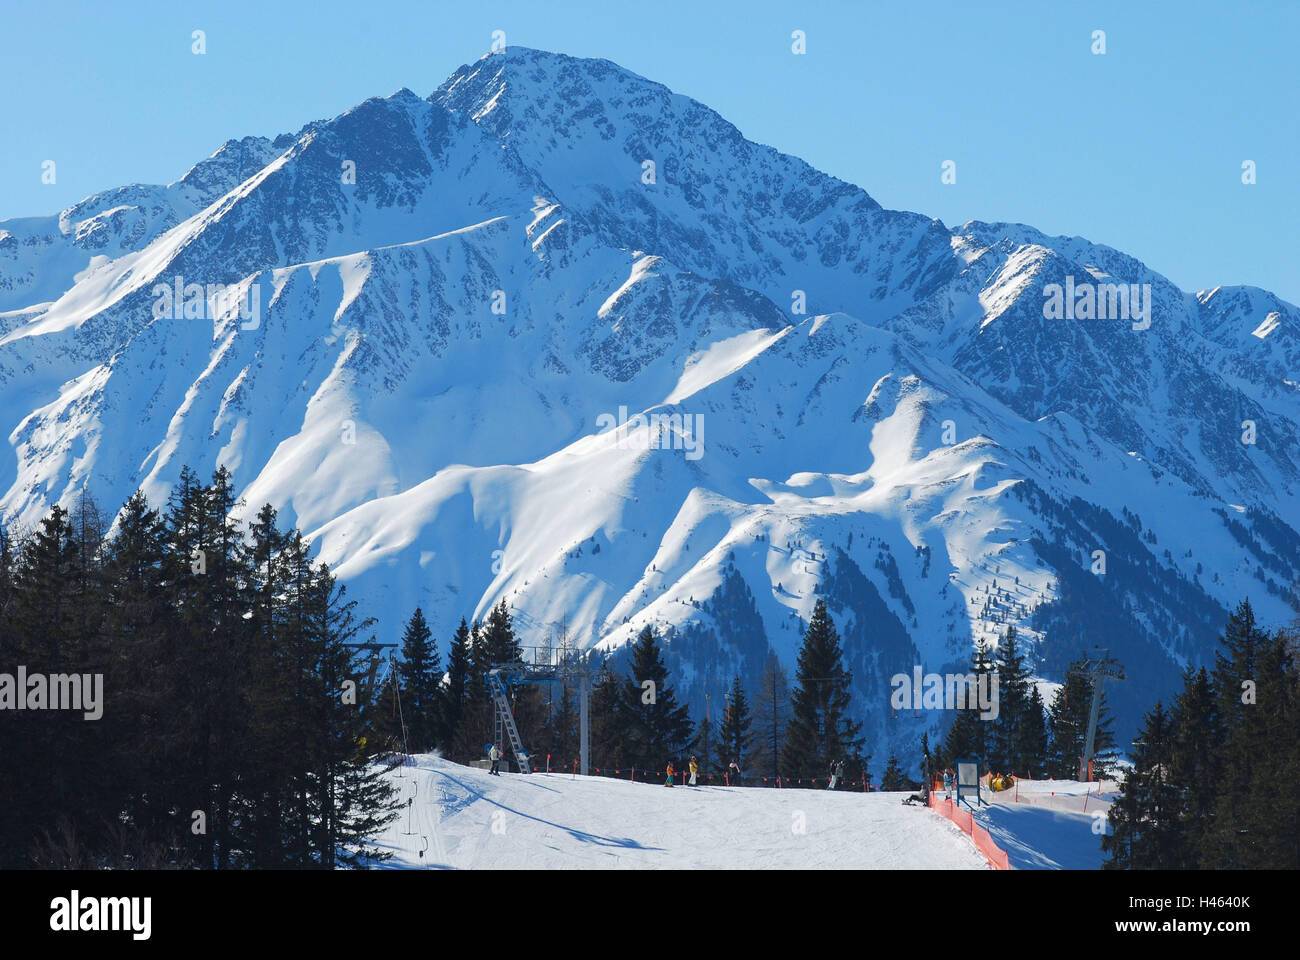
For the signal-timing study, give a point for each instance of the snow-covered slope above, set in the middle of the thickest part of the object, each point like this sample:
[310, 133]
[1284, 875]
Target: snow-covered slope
[435, 363]
[465, 818]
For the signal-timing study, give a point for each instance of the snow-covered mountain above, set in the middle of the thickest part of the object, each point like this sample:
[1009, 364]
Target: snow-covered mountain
[450, 307]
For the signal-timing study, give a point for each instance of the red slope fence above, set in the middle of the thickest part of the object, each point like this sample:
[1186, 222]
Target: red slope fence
[984, 843]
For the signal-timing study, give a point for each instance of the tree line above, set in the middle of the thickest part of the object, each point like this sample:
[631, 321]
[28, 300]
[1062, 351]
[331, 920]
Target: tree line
[233, 732]
[1213, 783]
[1027, 738]
[636, 722]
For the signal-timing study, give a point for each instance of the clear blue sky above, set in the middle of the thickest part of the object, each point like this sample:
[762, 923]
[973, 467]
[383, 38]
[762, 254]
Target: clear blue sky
[1140, 148]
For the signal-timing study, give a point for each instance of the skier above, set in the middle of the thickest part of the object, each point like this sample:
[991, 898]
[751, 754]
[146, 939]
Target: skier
[495, 756]
[670, 774]
[734, 771]
[837, 771]
[695, 768]
[947, 784]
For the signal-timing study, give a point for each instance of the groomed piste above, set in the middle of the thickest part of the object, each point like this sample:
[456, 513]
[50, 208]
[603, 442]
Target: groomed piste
[462, 818]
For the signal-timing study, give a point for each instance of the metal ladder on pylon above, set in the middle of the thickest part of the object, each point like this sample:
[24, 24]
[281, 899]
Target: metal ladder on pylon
[506, 719]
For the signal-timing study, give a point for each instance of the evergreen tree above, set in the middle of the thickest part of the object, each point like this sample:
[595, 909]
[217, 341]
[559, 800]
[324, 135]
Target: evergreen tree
[734, 736]
[420, 675]
[1236, 680]
[1256, 681]
[1033, 738]
[929, 762]
[771, 715]
[892, 779]
[1195, 760]
[455, 696]
[704, 746]
[564, 736]
[820, 730]
[656, 728]
[1006, 741]
[608, 732]
[1145, 819]
[352, 800]
[43, 750]
[968, 736]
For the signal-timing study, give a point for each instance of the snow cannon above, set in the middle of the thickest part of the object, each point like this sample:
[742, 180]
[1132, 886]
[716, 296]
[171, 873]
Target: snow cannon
[1002, 782]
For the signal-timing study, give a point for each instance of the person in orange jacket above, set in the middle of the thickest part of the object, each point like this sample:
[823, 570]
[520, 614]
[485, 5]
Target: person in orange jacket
[670, 774]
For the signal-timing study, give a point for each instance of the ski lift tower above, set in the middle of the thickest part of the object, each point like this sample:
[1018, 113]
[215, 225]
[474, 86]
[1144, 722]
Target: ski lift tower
[549, 666]
[1099, 666]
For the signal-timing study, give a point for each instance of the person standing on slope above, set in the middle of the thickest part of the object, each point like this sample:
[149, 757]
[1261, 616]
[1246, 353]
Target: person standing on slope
[837, 771]
[695, 769]
[671, 771]
[495, 756]
[947, 784]
[733, 773]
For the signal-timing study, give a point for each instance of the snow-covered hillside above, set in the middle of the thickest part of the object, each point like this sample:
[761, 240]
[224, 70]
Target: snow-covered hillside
[443, 365]
[464, 818]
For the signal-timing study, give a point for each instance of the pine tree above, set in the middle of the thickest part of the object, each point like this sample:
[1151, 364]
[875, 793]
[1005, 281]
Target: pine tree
[1195, 760]
[704, 747]
[1033, 738]
[657, 729]
[420, 675]
[771, 716]
[42, 751]
[1256, 682]
[455, 696]
[564, 740]
[820, 731]
[1236, 677]
[352, 800]
[929, 762]
[968, 736]
[476, 726]
[1006, 747]
[734, 736]
[608, 732]
[137, 621]
[892, 779]
[1145, 819]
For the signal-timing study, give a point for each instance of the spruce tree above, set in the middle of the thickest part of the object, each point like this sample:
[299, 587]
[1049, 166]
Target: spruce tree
[1236, 678]
[456, 694]
[771, 715]
[657, 730]
[1146, 822]
[420, 675]
[968, 736]
[608, 732]
[1006, 741]
[1195, 760]
[893, 779]
[821, 730]
[734, 736]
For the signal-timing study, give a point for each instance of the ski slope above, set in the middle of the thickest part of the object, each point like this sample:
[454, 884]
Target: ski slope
[463, 818]
[1049, 824]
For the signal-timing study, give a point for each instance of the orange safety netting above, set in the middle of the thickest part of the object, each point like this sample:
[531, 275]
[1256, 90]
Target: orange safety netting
[995, 855]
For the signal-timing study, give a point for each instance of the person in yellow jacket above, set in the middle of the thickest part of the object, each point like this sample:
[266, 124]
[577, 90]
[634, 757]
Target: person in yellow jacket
[671, 771]
[695, 768]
